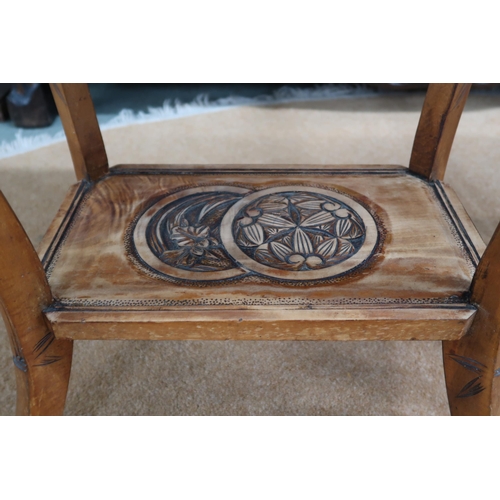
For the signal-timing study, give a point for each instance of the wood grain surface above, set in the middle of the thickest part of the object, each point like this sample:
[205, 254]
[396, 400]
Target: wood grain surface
[83, 134]
[443, 106]
[98, 276]
[42, 363]
[472, 364]
[426, 323]
[246, 252]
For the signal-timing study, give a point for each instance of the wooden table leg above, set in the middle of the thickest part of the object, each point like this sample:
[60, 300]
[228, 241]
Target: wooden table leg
[41, 361]
[472, 364]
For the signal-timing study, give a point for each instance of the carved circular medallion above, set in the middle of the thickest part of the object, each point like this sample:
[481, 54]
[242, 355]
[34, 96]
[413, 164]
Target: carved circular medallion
[180, 234]
[218, 232]
[298, 233]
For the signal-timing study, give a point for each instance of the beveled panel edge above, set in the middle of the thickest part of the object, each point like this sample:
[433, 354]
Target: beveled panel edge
[467, 244]
[283, 324]
[58, 229]
[189, 169]
[56, 222]
[462, 215]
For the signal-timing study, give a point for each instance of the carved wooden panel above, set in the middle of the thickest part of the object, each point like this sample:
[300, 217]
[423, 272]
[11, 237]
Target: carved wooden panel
[256, 237]
[286, 232]
[299, 233]
[256, 252]
[179, 235]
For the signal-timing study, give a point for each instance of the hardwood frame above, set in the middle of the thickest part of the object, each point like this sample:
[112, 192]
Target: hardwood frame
[42, 343]
[42, 362]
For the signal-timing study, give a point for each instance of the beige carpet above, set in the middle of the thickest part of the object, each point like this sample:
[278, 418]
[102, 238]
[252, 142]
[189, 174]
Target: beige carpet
[259, 378]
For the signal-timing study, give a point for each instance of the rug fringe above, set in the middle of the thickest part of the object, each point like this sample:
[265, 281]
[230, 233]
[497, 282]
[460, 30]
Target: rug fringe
[200, 105]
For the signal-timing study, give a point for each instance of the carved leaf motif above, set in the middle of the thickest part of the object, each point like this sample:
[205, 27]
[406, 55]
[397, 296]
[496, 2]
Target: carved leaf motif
[173, 255]
[201, 232]
[179, 218]
[188, 260]
[471, 388]
[268, 258]
[310, 205]
[185, 233]
[281, 251]
[301, 242]
[181, 237]
[208, 207]
[212, 259]
[317, 219]
[345, 247]
[287, 240]
[468, 363]
[254, 233]
[303, 230]
[274, 198]
[328, 247]
[275, 221]
[303, 197]
[318, 239]
[274, 204]
[43, 344]
[343, 227]
[356, 230]
[188, 236]
[48, 360]
[41, 347]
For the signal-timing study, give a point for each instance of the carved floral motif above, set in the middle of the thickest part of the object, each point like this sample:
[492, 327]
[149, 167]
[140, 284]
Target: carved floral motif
[221, 232]
[185, 234]
[298, 231]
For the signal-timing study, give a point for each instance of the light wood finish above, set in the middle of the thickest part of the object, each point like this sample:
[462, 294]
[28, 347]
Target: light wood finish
[426, 323]
[443, 106]
[82, 130]
[59, 223]
[94, 263]
[42, 362]
[245, 252]
[97, 273]
[472, 364]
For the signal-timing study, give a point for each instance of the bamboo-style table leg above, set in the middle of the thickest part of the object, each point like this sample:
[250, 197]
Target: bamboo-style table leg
[472, 370]
[42, 362]
[42, 372]
[472, 364]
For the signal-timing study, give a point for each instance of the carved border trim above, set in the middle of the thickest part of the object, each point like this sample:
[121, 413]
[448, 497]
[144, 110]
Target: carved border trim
[301, 302]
